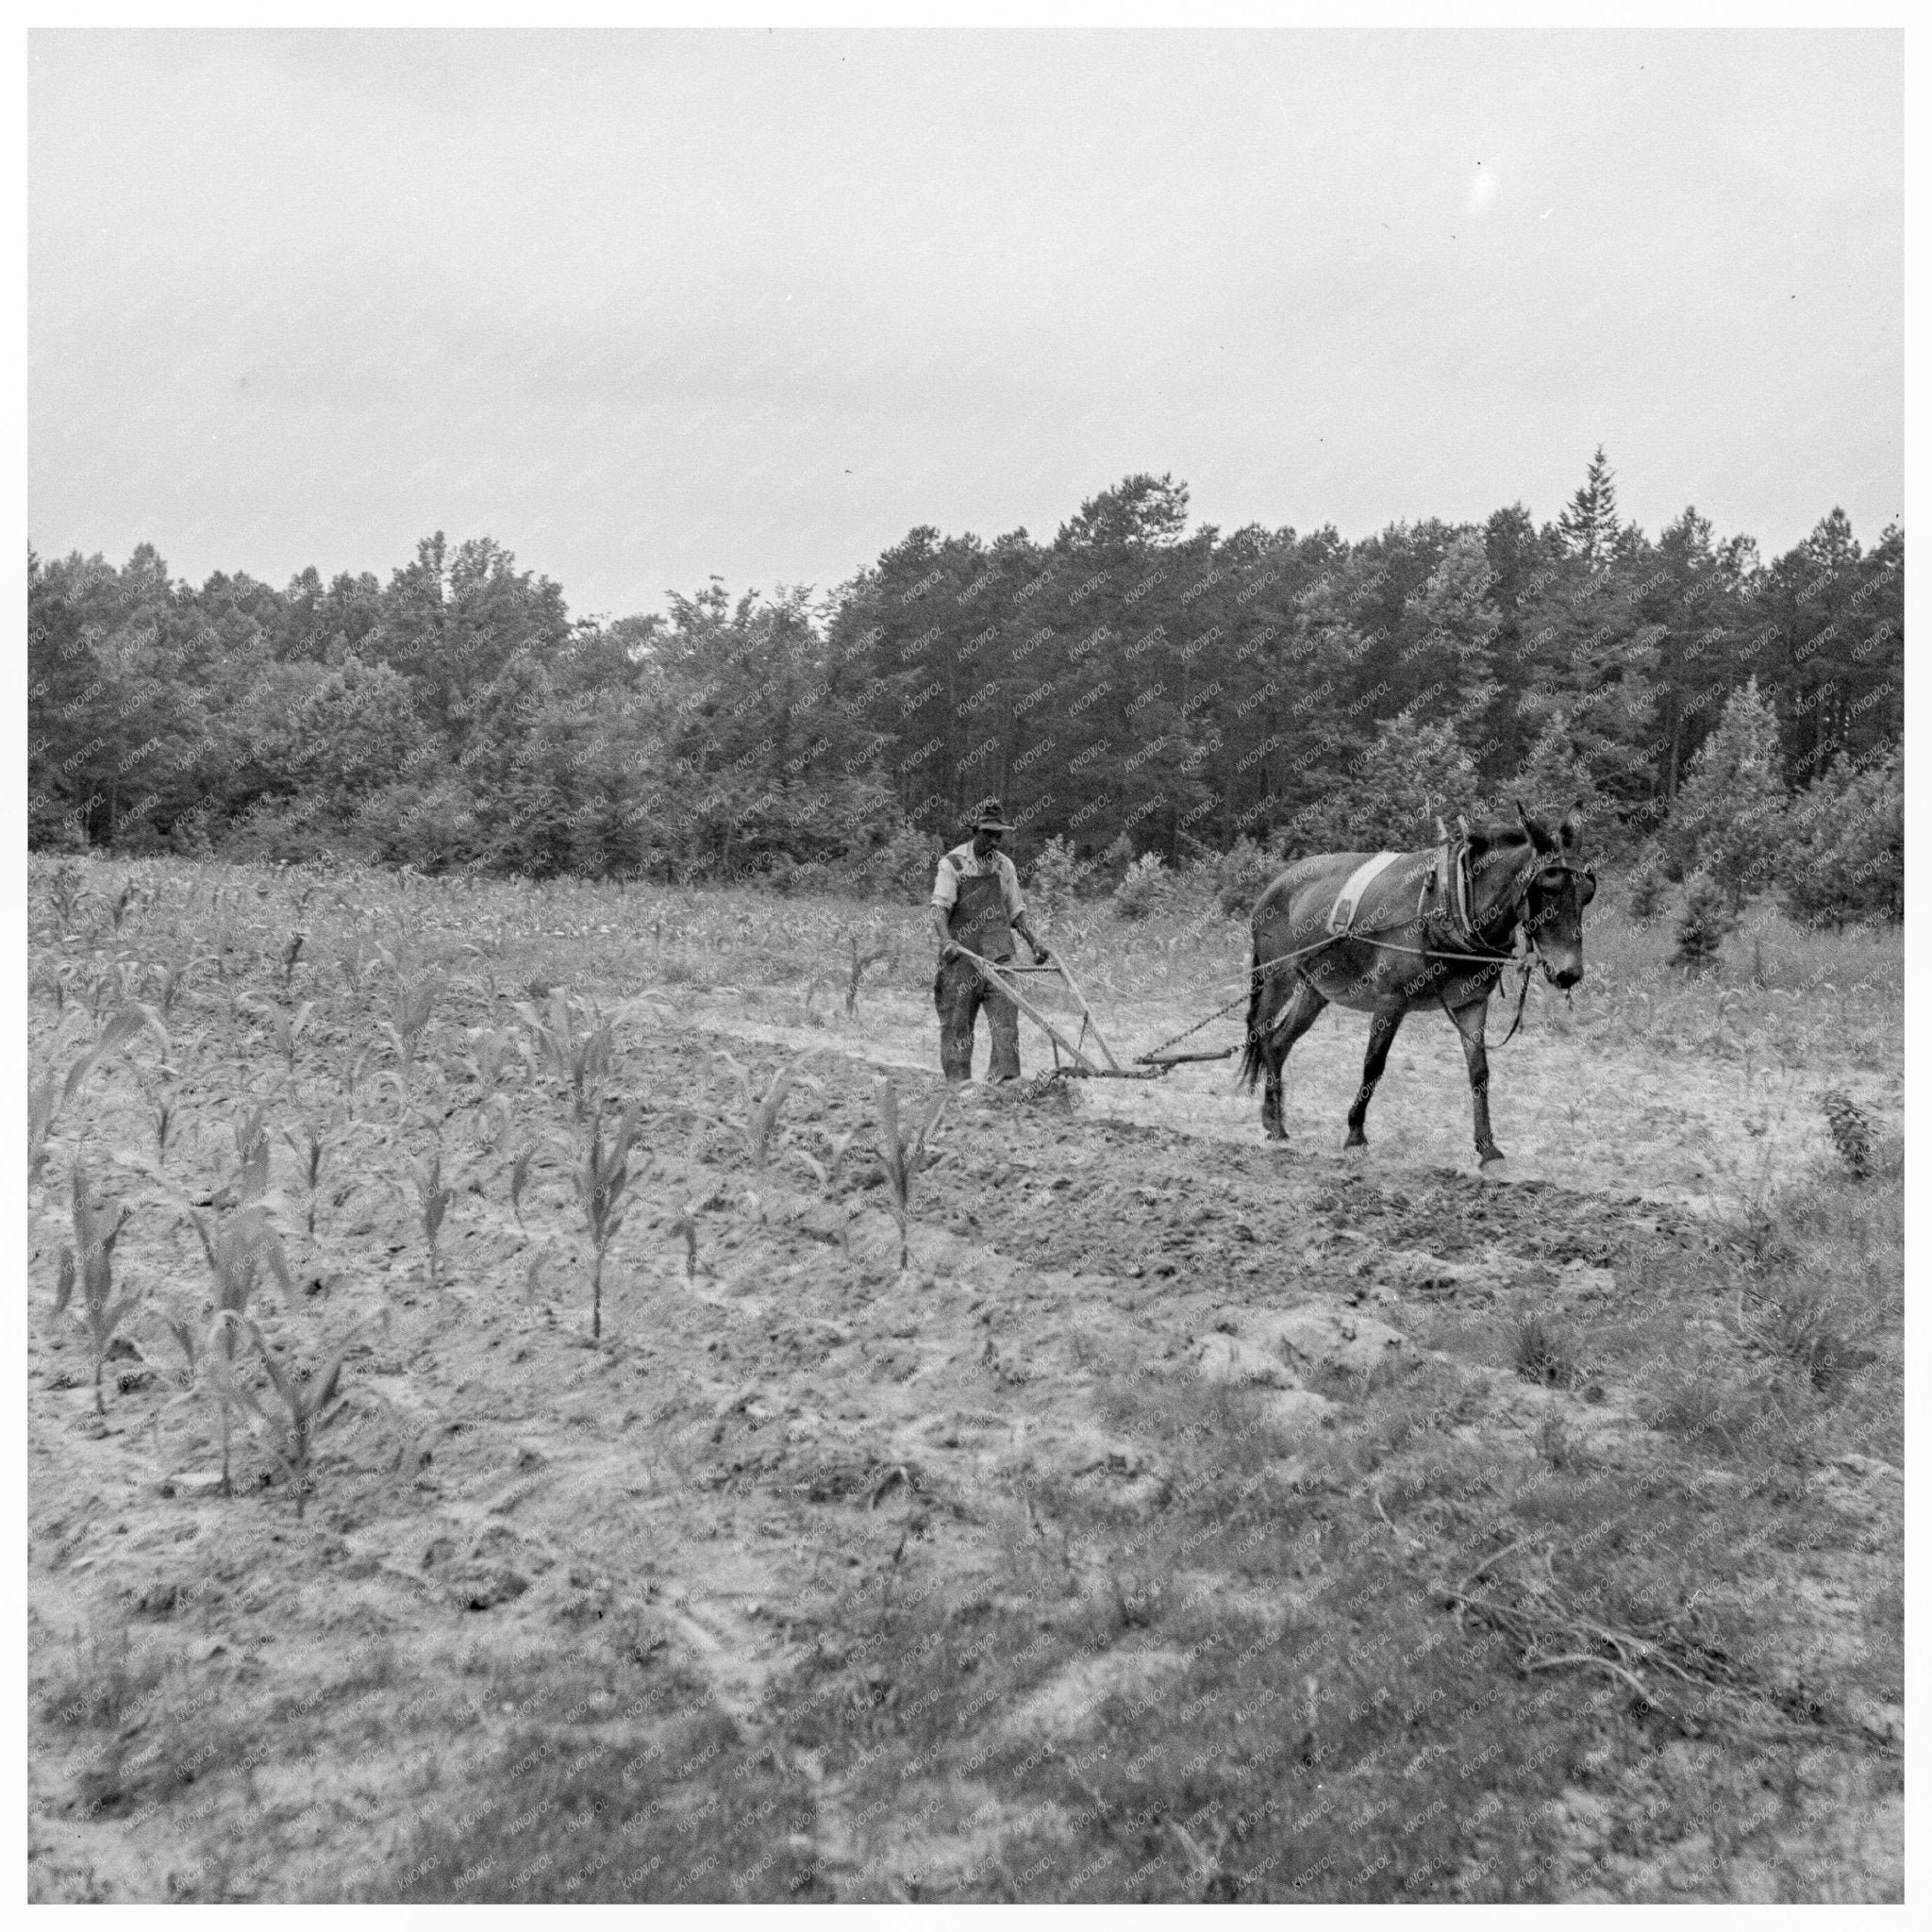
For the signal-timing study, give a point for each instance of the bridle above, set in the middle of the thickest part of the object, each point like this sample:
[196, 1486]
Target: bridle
[1469, 930]
[1513, 903]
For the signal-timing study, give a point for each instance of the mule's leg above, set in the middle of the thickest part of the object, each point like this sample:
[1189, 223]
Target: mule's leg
[1468, 1022]
[1382, 1031]
[1303, 1008]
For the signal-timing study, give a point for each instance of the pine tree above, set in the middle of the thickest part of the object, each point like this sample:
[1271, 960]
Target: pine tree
[1707, 924]
[1553, 777]
[1728, 817]
[1646, 892]
[1411, 776]
[1843, 856]
[1590, 526]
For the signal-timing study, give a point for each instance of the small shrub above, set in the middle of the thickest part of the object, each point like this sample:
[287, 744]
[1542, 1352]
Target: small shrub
[1543, 1352]
[1146, 889]
[1243, 874]
[1057, 874]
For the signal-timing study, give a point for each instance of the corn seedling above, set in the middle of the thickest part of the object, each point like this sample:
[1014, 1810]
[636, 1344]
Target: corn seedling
[579, 1054]
[235, 1256]
[249, 1182]
[69, 894]
[495, 1120]
[287, 1027]
[160, 1108]
[104, 982]
[826, 1172]
[50, 976]
[904, 1156]
[486, 1065]
[415, 1001]
[51, 1092]
[290, 953]
[173, 979]
[686, 1225]
[348, 1073]
[862, 959]
[357, 965]
[188, 1337]
[94, 1238]
[123, 903]
[309, 1154]
[519, 1177]
[599, 1177]
[761, 1117]
[432, 1200]
[43, 1110]
[308, 1404]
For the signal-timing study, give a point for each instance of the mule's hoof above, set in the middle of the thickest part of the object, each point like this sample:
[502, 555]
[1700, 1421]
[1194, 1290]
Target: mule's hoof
[1495, 1169]
[1354, 1150]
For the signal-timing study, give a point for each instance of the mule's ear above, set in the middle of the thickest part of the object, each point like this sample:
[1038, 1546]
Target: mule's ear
[1539, 835]
[1570, 833]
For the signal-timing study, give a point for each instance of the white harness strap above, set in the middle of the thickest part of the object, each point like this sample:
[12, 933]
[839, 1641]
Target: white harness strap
[1348, 901]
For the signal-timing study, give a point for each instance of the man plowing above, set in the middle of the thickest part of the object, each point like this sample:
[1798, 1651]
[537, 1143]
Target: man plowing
[977, 905]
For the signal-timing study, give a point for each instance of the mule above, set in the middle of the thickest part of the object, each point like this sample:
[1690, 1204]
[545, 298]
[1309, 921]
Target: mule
[1433, 930]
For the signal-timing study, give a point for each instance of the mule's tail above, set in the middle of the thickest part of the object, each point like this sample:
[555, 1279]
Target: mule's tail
[1252, 1062]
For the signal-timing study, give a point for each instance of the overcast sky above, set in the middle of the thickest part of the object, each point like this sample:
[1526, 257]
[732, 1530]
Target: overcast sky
[650, 307]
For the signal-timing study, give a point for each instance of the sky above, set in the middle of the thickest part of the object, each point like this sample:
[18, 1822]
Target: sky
[651, 307]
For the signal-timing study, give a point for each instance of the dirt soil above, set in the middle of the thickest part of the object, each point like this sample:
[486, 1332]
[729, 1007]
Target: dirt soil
[761, 1449]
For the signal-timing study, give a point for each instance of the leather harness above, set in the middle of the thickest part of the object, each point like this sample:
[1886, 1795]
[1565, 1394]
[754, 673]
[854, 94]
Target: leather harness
[1450, 881]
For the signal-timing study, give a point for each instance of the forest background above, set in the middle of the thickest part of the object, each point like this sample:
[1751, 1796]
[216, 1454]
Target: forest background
[1149, 702]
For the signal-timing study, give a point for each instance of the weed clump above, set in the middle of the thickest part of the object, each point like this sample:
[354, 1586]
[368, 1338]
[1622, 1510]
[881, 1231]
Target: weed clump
[1543, 1351]
[1851, 1132]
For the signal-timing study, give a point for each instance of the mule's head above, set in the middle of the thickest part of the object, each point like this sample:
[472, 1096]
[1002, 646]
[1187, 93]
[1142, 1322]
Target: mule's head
[1559, 887]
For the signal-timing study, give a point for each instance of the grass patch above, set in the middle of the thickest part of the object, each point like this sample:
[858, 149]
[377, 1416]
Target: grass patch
[618, 1781]
[102, 1680]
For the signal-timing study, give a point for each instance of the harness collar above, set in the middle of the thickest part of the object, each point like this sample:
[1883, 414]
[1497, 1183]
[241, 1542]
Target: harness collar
[1461, 894]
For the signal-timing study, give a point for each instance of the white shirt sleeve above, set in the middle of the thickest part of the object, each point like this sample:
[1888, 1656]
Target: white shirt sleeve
[945, 885]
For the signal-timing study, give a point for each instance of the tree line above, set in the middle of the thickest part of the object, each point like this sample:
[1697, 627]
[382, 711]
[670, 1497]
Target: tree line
[1130, 688]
